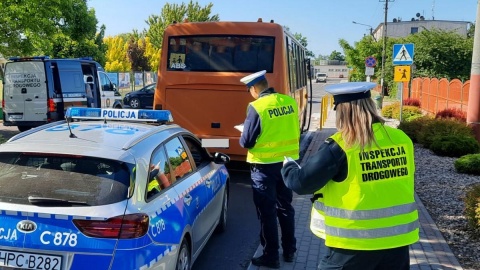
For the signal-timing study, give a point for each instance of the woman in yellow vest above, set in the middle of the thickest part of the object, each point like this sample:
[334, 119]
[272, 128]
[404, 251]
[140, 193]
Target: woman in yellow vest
[365, 174]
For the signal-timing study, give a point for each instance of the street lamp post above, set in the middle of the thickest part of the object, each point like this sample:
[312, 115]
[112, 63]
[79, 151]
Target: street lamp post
[370, 28]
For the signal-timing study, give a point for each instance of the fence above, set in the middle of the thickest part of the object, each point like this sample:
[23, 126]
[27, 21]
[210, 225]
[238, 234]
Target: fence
[129, 81]
[438, 94]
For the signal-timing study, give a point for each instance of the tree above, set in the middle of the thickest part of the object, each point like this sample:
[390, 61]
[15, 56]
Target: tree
[304, 42]
[336, 56]
[438, 53]
[116, 60]
[442, 54]
[63, 28]
[176, 13]
[153, 54]
[136, 55]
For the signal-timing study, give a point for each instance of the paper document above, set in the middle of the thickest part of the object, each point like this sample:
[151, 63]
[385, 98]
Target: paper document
[291, 159]
[239, 127]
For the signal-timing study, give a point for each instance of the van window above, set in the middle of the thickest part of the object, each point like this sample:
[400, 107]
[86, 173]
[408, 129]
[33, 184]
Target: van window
[105, 81]
[71, 78]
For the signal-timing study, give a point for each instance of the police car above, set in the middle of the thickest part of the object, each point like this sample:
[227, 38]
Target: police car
[104, 189]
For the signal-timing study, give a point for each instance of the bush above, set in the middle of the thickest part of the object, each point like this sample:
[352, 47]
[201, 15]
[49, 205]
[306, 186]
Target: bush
[442, 127]
[468, 164]
[411, 102]
[472, 207]
[408, 112]
[414, 127]
[454, 145]
[387, 111]
[454, 113]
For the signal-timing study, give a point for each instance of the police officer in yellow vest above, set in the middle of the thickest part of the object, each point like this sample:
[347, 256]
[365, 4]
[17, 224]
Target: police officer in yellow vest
[271, 131]
[363, 181]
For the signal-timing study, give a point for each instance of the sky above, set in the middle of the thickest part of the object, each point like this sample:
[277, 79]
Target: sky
[322, 22]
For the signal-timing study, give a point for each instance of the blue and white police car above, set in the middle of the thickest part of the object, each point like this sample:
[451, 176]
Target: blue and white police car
[104, 189]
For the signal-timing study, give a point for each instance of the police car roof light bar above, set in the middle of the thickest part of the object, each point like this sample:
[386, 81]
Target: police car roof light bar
[158, 116]
[17, 58]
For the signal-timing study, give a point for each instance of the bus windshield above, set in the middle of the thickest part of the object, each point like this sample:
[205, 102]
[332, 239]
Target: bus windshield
[228, 53]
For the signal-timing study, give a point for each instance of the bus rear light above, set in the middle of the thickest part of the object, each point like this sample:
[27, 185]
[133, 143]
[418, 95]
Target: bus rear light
[121, 227]
[52, 106]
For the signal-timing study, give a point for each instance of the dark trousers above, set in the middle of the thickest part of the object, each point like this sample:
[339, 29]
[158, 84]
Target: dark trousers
[385, 259]
[273, 200]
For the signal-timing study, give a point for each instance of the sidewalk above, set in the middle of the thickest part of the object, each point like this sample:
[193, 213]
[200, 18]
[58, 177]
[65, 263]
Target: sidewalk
[430, 253]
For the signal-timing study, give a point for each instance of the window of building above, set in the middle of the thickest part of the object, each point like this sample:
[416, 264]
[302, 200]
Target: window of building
[413, 30]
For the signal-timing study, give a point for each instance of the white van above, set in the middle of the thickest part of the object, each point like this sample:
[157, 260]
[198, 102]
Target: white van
[321, 77]
[38, 90]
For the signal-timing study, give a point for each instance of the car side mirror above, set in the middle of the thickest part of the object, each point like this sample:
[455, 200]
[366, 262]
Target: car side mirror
[220, 158]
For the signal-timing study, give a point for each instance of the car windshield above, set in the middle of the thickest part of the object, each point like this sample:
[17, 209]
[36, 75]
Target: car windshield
[42, 179]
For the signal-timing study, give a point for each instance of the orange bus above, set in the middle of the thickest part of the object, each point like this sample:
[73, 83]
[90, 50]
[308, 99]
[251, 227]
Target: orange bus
[201, 67]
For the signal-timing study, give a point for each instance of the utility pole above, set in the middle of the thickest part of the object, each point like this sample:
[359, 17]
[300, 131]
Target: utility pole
[473, 113]
[384, 36]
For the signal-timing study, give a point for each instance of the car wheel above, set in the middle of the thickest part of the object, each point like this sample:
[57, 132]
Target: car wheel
[183, 260]
[135, 103]
[222, 225]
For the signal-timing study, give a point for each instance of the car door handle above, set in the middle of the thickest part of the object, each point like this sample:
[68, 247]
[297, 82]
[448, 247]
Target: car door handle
[28, 99]
[187, 199]
[208, 183]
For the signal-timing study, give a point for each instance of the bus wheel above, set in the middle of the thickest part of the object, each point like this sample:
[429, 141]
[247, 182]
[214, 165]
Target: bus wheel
[135, 103]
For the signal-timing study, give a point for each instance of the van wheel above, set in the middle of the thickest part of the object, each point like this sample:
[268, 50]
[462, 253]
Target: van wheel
[23, 128]
[135, 103]
[183, 260]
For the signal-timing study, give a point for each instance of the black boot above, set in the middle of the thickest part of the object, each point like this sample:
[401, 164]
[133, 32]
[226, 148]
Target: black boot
[264, 261]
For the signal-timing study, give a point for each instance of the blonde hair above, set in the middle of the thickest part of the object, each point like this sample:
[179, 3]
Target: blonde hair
[354, 121]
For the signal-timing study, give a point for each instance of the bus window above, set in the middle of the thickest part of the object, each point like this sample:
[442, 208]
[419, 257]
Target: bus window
[197, 58]
[245, 57]
[221, 53]
[176, 54]
[265, 57]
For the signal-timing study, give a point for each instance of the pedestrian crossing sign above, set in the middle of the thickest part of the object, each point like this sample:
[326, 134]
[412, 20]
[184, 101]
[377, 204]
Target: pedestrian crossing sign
[403, 54]
[401, 74]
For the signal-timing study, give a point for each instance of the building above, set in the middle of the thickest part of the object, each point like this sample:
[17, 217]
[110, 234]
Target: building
[333, 68]
[399, 28]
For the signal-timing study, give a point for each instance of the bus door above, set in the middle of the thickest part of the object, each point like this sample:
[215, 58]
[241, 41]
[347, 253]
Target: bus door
[25, 91]
[106, 90]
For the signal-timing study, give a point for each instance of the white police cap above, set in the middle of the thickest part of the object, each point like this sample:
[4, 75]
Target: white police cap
[251, 79]
[350, 91]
